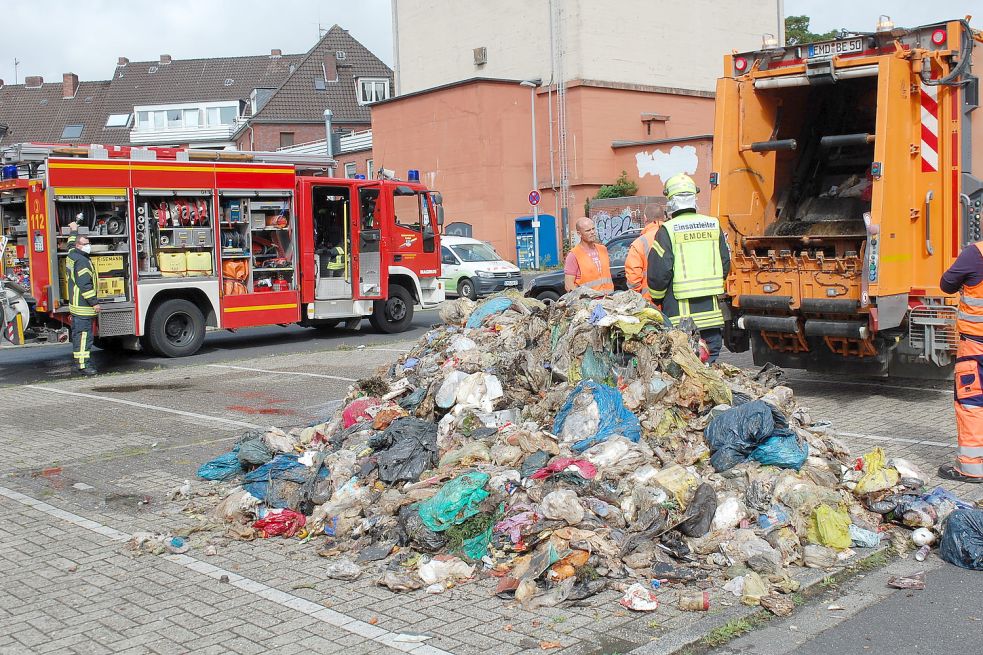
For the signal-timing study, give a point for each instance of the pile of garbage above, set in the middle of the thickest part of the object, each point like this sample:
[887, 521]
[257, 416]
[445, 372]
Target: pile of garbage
[567, 448]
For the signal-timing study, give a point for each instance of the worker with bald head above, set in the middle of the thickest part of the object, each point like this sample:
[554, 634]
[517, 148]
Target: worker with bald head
[587, 265]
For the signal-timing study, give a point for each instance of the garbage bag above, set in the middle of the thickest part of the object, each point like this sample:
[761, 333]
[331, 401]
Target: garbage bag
[783, 449]
[272, 482]
[877, 477]
[284, 522]
[488, 308]
[829, 527]
[614, 416]
[356, 411]
[412, 530]
[733, 435]
[406, 449]
[223, 467]
[456, 502]
[563, 505]
[699, 512]
[962, 540]
[254, 452]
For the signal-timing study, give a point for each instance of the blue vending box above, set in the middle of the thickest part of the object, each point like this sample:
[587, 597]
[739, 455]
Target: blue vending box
[525, 239]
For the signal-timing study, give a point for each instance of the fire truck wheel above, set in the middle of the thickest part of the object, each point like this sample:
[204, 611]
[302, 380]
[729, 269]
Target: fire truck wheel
[395, 313]
[465, 289]
[177, 328]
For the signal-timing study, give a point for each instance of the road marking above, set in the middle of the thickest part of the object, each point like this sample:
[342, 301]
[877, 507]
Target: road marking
[877, 437]
[263, 370]
[870, 384]
[385, 350]
[248, 585]
[120, 401]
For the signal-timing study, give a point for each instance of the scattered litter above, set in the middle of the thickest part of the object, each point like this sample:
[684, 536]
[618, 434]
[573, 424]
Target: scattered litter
[914, 581]
[639, 599]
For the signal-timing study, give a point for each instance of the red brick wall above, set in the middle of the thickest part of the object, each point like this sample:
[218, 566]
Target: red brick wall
[266, 136]
[358, 158]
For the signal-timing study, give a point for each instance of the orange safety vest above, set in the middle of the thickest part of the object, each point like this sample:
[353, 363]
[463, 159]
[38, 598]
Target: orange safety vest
[598, 279]
[637, 261]
[969, 318]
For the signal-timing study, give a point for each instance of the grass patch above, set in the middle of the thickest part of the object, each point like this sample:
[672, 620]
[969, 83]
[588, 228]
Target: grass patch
[655, 625]
[829, 582]
[558, 619]
[732, 630]
[873, 561]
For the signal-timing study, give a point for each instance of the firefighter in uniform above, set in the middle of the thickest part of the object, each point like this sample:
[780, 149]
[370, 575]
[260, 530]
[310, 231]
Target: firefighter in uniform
[587, 264]
[688, 264]
[637, 260]
[82, 303]
[966, 276]
[336, 263]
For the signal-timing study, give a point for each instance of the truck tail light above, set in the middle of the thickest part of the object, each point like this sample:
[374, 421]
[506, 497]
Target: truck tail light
[740, 64]
[938, 37]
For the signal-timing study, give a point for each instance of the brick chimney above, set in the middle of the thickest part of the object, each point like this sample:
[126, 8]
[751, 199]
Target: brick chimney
[276, 53]
[122, 61]
[69, 85]
[1, 84]
[330, 69]
[165, 59]
[33, 82]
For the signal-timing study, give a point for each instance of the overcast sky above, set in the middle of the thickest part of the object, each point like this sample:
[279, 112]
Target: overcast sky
[51, 37]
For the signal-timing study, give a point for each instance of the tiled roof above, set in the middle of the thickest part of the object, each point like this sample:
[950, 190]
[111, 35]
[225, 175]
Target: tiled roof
[40, 113]
[298, 100]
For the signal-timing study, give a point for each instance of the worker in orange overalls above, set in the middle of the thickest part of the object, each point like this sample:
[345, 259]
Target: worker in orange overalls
[588, 265]
[966, 276]
[637, 261]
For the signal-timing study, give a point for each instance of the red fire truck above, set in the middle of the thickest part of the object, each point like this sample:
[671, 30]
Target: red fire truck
[185, 240]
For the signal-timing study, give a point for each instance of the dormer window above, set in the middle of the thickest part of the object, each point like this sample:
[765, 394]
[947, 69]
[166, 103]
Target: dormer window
[372, 89]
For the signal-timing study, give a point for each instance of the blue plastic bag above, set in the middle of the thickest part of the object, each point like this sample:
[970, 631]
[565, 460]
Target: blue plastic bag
[615, 417]
[733, 435]
[223, 467]
[488, 308]
[262, 482]
[962, 540]
[783, 449]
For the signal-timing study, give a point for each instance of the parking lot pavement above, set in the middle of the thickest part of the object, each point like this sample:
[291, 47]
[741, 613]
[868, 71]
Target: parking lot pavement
[87, 463]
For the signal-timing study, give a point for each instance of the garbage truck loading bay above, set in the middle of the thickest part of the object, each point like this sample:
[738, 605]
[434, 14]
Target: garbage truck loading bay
[106, 456]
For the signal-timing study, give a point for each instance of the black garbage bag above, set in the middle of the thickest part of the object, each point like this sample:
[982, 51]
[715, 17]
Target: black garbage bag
[411, 530]
[699, 512]
[735, 433]
[254, 452]
[405, 449]
[962, 540]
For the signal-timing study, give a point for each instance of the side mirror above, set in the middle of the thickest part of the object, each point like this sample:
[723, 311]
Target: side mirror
[440, 215]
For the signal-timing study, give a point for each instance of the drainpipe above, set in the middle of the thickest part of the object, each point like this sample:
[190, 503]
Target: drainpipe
[327, 134]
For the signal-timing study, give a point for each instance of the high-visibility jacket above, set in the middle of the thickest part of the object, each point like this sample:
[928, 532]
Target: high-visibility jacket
[969, 316]
[591, 275]
[337, 261]
[83, 280]
[687, 266]
[637, 260]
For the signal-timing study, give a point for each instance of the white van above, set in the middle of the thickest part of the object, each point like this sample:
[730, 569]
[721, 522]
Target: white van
[471, 268]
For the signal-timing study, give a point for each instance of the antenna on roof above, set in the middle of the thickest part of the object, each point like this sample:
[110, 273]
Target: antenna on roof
[16, 64]
[320, 31]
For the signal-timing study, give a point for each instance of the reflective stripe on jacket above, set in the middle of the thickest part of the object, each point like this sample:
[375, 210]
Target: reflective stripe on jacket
[590, 275]
[969, 317]
[697, 267]
[82, 284]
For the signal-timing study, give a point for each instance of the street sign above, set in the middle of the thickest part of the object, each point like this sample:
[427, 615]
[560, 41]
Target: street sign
[534, 197]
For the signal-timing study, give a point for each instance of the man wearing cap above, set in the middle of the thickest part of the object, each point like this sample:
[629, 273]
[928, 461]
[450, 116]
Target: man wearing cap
[587, 265]
[688, 263]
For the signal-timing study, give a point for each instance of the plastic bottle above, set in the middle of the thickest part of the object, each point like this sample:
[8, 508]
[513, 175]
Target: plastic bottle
[923, 553]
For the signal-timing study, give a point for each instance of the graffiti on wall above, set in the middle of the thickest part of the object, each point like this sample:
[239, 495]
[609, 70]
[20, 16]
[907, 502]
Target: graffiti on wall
[679, 159]
[614, 225]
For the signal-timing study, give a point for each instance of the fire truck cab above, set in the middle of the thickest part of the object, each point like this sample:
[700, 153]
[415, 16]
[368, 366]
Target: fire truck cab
[188, 240]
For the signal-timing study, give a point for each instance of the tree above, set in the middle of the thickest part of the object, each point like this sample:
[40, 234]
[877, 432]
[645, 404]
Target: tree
[797, 31]
[621, 187]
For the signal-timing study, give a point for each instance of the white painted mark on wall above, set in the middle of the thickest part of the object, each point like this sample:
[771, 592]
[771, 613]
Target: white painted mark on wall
[679, 159]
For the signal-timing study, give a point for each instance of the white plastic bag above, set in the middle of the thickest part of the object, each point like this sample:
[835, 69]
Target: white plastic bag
[730, 512]
[442, 571]
[563, 505]
[343, 569]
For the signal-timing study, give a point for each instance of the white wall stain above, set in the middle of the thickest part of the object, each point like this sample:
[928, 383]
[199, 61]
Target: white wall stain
[661, 164]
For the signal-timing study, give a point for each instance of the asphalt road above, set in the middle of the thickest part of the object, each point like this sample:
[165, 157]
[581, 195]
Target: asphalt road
[54, 362]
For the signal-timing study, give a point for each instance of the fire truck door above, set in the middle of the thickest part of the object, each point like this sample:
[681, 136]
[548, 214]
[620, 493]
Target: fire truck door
[413, 239]
[367, 224]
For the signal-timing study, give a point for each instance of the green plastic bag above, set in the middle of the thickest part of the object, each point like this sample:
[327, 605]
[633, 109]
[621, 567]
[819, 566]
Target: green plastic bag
[455, 503]
[829, 527]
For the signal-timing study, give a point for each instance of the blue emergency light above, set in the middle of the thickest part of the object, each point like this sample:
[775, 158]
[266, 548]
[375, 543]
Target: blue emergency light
[413, 175]
[359, 176]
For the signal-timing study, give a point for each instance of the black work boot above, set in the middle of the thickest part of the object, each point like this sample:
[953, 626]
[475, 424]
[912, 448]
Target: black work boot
[88, 371]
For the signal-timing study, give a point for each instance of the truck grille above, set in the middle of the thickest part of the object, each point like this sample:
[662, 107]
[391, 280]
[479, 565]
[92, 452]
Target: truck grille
[115, 323]
[505, 276]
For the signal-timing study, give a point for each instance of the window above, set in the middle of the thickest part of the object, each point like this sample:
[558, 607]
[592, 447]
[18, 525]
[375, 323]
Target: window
[175, 118]
[476, 252]
[618, 251]
[319, 84]
[350, 169]
[118, 120]
[369, 173]
[213, 116]
[286, 139]
[447, 257]
[409, 209]
[72, 131]
[144, 121]
[227, 115]
[191, 118]
[372, 89]
[160, 120]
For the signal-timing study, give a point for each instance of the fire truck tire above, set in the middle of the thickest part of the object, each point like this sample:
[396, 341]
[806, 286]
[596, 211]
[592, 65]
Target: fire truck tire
[395, 313]
[465, 289]
[176, 328]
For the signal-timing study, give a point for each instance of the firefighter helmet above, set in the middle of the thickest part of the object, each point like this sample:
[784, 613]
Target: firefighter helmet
[680, 183]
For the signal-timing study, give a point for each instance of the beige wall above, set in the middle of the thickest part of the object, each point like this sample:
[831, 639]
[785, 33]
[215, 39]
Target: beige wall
[651, 42]
[472, 142]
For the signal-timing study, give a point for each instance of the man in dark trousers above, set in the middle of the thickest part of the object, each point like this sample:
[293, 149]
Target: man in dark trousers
[82, 302]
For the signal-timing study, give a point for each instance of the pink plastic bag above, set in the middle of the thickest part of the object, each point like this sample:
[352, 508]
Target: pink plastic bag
[357, 411]
[558, 464]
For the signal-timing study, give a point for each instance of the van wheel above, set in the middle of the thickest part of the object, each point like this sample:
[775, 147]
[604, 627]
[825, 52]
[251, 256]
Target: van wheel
[465, 289]
[395, 313]
[548, 297]
[177, 328]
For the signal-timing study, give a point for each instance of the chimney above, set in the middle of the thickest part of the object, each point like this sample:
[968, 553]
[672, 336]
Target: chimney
[330, 69]
[122, 61]
[33, 82]
[276, 53]
[1, 84]
[69, 85]
[165, 59]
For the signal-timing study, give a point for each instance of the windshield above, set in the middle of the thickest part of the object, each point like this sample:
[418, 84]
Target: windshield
[476, 252]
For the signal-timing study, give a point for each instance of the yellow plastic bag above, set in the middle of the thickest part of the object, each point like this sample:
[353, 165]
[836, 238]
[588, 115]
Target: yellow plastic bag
[877, 477]
[677, 481]
[829, 527]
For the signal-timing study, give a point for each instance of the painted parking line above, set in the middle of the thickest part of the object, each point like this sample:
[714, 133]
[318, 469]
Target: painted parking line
[870, 384]
[877, 437]
[248, 585]
[266, 370]
[156, 408]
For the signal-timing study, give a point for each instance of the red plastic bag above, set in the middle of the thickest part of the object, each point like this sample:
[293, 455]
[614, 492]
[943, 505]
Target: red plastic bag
[559, 464]
[356, 412]
[285, 522]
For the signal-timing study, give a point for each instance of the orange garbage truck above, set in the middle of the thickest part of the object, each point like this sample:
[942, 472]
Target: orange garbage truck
[847, 175]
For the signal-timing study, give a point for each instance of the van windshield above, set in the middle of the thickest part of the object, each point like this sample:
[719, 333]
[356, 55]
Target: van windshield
[476, 252]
